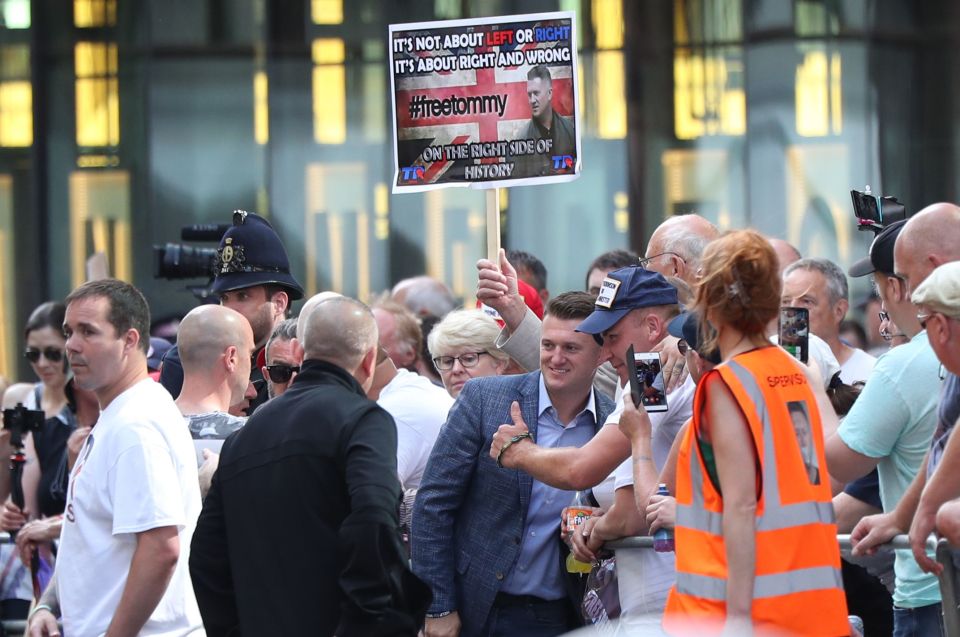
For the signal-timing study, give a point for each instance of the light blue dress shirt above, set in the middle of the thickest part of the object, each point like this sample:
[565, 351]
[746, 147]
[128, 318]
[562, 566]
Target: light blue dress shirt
[537, 570]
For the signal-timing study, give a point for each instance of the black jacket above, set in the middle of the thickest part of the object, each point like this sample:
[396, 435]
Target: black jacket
[300, 533]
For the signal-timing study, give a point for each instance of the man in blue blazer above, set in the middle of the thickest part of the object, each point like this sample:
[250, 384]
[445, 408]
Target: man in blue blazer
[485, 538]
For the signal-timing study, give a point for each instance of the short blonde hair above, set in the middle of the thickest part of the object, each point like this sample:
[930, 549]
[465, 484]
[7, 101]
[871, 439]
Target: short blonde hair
[466, 329]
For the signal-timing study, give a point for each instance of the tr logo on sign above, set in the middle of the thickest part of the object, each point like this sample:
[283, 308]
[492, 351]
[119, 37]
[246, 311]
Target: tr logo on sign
[412, 173]
[562, 162]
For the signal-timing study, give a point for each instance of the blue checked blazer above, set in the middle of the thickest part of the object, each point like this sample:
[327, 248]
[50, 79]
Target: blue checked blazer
[469, 514]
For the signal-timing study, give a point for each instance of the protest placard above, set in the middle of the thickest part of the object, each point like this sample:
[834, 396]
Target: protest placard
[486, 102]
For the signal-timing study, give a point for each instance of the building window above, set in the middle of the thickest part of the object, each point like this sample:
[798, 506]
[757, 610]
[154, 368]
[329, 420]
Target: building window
[709, 96]
[15, 14]
[326, 11]
[329, 91]
[94, 13]
[97, 94]
[16, 96]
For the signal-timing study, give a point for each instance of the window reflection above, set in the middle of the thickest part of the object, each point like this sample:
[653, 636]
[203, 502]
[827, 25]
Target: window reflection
[329, 91]
[97, 94]
[16, 96]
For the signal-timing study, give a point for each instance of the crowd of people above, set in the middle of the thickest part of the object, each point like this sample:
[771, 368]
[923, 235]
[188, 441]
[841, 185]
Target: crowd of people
[404, 467]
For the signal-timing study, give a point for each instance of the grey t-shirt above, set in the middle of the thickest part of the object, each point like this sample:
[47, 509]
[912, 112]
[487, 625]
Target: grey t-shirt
[211, 429]
[948, 412]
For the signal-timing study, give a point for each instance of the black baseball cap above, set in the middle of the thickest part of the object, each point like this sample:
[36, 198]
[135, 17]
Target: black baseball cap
[687, 326]
[624, 290]
[880, 257]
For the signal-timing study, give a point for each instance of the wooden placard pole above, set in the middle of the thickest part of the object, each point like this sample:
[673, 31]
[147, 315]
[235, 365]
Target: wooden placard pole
[493, 225]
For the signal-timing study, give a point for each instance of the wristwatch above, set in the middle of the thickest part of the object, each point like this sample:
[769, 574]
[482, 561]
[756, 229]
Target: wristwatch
[438, 615]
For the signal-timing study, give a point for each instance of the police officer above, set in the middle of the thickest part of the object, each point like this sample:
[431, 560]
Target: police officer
[252, 277]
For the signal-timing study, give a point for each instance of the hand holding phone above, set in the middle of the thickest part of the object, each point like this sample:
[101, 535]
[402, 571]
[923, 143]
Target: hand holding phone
[795, 332]
[645, 374]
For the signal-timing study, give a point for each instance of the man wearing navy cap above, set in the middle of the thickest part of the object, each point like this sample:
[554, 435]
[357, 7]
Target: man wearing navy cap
[252, 277]
[633, 307]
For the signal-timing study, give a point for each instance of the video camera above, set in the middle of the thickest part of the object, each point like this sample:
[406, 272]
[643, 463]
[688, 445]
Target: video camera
[178, 261]
[20, 421]
[875, 212]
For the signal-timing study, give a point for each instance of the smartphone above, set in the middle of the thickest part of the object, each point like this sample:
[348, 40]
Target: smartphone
[795, 332]
[645, 373]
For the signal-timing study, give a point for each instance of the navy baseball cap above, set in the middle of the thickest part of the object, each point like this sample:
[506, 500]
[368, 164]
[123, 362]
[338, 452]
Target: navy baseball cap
[880, 257]
[624, 290]
[687, 327]
[250, 254]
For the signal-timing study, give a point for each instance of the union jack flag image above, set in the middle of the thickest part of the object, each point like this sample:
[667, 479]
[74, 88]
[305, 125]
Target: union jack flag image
[473, 101]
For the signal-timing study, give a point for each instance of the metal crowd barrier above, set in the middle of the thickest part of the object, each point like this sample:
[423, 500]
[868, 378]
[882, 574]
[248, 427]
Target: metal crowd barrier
[948, 579]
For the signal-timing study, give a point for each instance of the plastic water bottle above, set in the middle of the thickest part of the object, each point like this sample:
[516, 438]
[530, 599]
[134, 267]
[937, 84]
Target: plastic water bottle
[663, 538]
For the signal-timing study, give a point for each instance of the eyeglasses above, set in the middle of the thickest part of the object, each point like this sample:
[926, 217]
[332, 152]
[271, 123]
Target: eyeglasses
[282, 373]
[445, 363]
[923, 318]
[683, 347]
[646, 260]
[52, 354]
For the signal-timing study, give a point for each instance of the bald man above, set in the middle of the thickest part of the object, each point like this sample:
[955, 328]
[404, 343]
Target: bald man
[929, 239]
[675, 247]
[786, 253]
[215, 347]
[305, 476]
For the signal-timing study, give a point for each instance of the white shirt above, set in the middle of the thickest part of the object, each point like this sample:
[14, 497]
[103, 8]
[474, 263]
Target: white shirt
[137, 471]
[858, 367]
[419, 408]
[646, 576]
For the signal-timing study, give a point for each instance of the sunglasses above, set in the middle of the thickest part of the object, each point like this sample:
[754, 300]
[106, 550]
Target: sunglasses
[282, 373]
[52, 354]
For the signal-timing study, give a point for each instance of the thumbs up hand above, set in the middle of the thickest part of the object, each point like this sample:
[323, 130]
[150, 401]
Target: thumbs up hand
[505, 447]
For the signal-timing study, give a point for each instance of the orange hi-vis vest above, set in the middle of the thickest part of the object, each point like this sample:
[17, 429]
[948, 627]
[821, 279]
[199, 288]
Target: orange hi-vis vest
[797, 586]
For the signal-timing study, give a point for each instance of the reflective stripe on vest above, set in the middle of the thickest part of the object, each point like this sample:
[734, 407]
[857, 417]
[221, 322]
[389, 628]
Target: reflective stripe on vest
[775, 515]
[764, 586]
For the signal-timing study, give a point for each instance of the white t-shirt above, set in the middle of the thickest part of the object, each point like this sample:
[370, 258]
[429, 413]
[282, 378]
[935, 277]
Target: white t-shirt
[419, 408]
[137, 471]
[645, 576]
[857, 368]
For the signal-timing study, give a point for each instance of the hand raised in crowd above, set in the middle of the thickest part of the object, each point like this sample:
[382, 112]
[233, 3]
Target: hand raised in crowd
[446, 626]
[497, 287]
[633, 422]
[13, 517]
[873, 531]
[75, 444]
[37, 532]
[42, 623]
[661, 513]
[584, 543]
[673, 363]
[924, 521]
[501, 447]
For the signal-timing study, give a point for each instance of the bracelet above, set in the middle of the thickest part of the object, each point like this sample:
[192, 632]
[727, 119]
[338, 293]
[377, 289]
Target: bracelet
[438, 615]
[38, 607]
[513, 440]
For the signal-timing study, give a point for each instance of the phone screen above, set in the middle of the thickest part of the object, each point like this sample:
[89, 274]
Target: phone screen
[795, 332]
[645, 373]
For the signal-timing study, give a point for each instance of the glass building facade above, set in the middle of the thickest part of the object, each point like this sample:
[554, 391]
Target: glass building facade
[122, 121]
